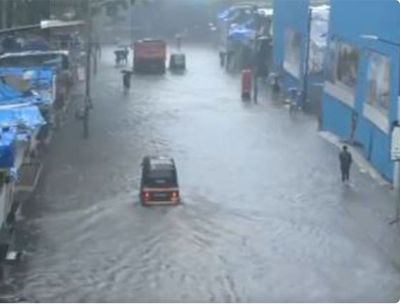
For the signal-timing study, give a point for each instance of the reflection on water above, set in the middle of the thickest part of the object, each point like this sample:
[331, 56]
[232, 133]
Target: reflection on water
[249, 229]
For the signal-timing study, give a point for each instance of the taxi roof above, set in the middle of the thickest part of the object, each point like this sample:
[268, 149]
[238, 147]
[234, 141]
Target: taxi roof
[160, 163]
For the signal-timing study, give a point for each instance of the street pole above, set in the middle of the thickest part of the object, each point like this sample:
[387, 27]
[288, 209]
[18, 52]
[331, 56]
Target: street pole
[307, 56]
[87, 101]
[131, 22]
[95, 62]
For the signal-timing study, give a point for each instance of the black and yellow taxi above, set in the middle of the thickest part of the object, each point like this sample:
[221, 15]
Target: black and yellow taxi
[159, 181]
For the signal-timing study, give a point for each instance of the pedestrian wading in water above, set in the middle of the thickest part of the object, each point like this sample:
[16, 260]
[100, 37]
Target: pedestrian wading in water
[126, 81]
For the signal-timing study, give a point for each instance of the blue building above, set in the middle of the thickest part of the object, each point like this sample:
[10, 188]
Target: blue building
[300, 35]
[290, 24]
[361, 89]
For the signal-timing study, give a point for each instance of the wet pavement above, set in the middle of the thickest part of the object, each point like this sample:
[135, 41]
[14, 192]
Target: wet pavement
[264, 218]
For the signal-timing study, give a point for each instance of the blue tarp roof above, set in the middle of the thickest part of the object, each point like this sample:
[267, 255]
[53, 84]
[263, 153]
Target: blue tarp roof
[45, 73]
[241, 33]
[27, 116]
[9, 95]
[41, 80]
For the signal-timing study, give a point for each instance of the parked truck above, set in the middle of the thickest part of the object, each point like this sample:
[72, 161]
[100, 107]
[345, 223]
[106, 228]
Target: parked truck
[149, 56]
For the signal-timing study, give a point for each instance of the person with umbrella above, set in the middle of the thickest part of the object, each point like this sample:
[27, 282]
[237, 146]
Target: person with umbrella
[126, 80]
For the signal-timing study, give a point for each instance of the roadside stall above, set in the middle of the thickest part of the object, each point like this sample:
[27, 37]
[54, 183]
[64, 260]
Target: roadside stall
[48, 73]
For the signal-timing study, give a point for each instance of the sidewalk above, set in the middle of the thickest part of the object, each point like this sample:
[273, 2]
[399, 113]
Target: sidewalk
[369, 212]
[369, 199]
[363, 165]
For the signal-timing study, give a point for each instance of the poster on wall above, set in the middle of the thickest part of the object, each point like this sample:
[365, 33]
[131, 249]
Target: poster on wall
[342, 65]
[378, 87]
[291, 62]
[318, 37]
[331, 61]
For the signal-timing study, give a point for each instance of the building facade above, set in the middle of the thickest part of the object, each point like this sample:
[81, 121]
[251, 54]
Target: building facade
[289, 40]
[361, 88]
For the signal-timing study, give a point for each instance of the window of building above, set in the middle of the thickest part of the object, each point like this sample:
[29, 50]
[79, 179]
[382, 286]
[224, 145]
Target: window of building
[291, 61]
[342, 65]
[378, 82]
[318, 38]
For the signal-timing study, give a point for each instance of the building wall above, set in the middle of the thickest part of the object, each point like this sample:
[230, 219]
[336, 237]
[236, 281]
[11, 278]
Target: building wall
[292, 15]
[350, 20]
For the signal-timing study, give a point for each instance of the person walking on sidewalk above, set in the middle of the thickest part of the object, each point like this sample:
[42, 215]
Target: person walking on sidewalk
[345, 159]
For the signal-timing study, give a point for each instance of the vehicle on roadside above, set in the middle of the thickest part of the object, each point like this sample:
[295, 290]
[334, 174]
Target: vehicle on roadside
[121, 56]
[159, 182]
[177, 62]
[149, 56]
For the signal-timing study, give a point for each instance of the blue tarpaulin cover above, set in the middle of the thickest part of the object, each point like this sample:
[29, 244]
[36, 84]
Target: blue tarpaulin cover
[26, 117]
[41, 80]
[241, 33]
[45, 73]
[7, 147]
[9, 95]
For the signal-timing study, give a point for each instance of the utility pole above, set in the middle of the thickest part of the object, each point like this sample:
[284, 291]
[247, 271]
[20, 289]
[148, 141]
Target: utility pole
[306, 59]
[87, 101]
[132, 2]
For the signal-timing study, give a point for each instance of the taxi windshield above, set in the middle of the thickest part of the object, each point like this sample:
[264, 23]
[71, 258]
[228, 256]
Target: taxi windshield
[163, 178]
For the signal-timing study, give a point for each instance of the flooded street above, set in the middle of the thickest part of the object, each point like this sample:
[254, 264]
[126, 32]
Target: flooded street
[264, 215]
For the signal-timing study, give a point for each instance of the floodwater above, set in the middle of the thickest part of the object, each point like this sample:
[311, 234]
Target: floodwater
[264, 216]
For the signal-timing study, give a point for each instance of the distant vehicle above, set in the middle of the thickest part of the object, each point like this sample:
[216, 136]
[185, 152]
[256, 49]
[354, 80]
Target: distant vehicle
[150, 56]
[121, 56]
[177, 62]
[159, 182]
